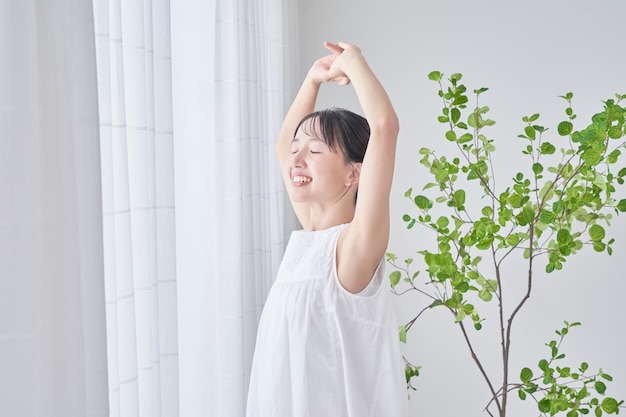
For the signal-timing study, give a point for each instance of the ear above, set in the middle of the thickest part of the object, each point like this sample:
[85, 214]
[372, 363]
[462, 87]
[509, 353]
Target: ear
[355, 174]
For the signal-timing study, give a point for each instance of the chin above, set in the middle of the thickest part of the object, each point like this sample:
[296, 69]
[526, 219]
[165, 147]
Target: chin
[299, 197]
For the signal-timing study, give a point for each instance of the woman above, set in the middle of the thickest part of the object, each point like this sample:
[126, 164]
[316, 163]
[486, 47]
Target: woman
[328, 343]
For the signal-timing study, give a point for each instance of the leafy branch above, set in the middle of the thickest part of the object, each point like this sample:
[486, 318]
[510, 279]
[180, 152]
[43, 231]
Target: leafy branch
[563, 202]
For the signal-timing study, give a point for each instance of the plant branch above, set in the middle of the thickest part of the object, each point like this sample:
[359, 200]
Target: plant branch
[479, 363]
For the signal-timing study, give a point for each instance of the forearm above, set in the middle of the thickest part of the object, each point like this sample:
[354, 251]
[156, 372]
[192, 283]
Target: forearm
[374, 100]
[302, 105]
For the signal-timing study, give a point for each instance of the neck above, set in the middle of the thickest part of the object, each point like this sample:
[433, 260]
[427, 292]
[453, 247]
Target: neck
[322, 218]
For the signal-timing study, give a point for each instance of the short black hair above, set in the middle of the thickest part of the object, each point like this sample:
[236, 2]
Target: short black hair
[340, 128]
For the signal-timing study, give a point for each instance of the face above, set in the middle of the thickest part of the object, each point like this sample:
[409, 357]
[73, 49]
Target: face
[318, 174]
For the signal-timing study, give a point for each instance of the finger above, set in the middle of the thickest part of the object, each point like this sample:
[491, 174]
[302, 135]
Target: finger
[341, 80]
[334, 48]
[344, 81]
[344, 45]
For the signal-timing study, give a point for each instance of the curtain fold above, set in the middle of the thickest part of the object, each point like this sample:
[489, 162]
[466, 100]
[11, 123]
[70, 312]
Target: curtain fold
[87, 201]
[134, 84]
[52, 320]
[231, 78]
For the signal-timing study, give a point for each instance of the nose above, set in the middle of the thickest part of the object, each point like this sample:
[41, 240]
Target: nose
[298, 159]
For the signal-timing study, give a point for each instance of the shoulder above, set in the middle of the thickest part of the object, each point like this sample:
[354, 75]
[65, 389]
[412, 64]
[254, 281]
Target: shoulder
[358, 257]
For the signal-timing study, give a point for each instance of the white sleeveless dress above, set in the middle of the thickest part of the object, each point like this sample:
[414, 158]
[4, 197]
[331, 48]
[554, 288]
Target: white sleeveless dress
[322, 351]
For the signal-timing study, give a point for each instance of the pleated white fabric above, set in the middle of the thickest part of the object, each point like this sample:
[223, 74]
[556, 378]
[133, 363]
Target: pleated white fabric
[321, 350]
[232, 73]
[134, 80]
[52, 321]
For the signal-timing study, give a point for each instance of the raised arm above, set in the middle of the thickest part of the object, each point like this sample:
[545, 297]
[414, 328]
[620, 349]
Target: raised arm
[364, 242]
[302, 105]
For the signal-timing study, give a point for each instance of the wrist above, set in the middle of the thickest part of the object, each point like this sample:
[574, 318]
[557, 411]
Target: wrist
[311, 81]
[352, 62]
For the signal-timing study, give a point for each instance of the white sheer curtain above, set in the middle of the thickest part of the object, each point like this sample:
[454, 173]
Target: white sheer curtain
[134, 83]
[232, 66]
[52, 321]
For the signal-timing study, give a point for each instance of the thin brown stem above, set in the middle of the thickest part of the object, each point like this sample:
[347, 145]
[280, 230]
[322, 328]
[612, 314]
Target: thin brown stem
[480, 366]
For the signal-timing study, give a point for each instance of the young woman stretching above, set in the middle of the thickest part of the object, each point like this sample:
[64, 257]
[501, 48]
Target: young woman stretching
[327, 343]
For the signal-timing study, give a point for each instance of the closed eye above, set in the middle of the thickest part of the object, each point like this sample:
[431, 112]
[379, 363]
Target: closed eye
[314, 152]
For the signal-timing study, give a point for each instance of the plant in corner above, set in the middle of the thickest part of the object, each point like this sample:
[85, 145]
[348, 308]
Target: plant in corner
[562, 203]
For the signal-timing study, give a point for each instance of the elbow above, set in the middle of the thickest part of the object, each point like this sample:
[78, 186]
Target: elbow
[387, 125]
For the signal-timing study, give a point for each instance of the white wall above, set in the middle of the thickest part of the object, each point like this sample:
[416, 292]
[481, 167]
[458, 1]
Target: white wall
[527, 53]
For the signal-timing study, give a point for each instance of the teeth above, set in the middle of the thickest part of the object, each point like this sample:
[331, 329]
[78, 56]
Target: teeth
[301, 179]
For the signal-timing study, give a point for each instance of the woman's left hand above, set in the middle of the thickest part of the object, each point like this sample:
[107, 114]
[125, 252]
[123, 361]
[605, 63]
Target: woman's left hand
[340, 50]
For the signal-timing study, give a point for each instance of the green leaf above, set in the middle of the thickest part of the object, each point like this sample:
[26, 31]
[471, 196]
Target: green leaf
[391, 256]
[537, 168]
[600, 387]
[543, 365]
[456, 115]
[613, 156]
[610, 405]
[615, 132]
[547, 217]
[513, 240]
[485, 295]
[515, 200]
[547, 148]
[592, 156]
[563, 236]
[460, 100]
[472, 120]
[526, 375]
[442, 222]
[526, 216]
[423, 202]
[466, 137]
[462, 286]
[459, 198]
[621, 206]
[530, 132]
[596, 232]
[606, 376]
[403, 334]
[395, 277]
[451, 135]
[435, 76]
[565, 128]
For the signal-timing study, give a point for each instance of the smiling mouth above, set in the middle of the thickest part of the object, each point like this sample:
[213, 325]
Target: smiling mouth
[301, 179]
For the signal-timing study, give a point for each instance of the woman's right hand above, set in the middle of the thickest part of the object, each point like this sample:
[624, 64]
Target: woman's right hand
[322, 70]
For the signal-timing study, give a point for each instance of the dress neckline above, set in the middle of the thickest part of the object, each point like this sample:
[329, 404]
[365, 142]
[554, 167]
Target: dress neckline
[320, 230]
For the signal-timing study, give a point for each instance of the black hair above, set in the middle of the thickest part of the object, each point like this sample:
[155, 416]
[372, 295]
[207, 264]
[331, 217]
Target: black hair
[341, 130]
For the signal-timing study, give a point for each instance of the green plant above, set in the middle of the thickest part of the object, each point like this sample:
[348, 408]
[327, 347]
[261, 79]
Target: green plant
[562, 203]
